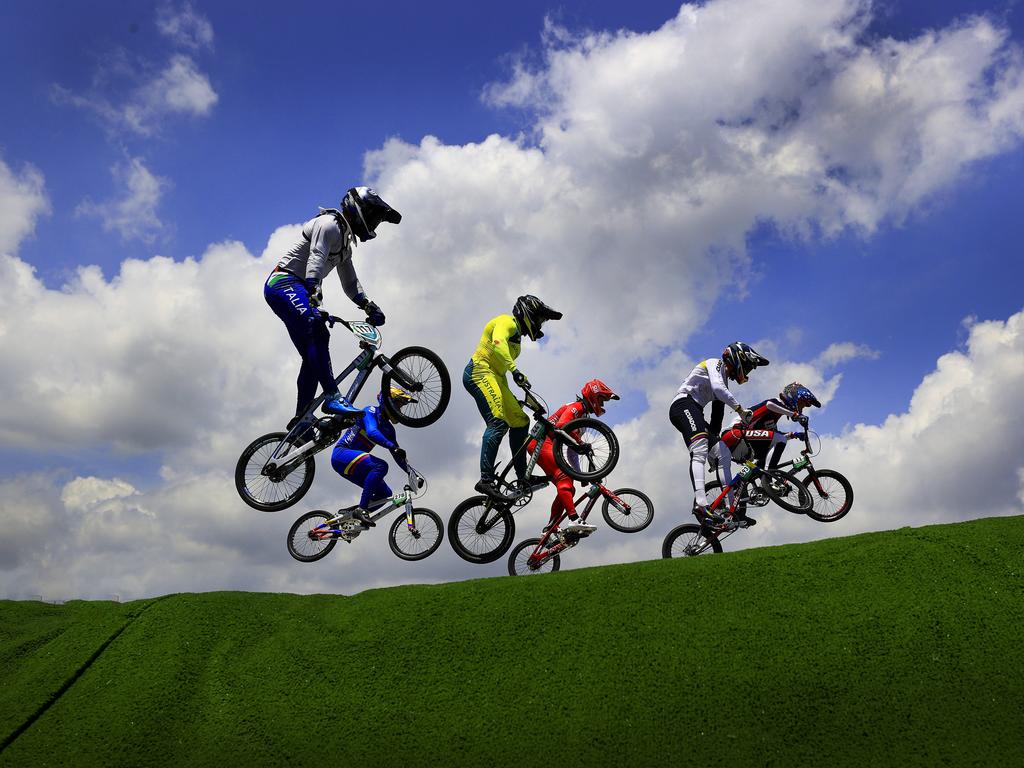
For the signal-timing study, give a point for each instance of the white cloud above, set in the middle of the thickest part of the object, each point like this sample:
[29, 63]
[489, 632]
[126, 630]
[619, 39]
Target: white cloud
[134, 214]
[179, 88]
[22, 201]
[185, 26]
[655, 155]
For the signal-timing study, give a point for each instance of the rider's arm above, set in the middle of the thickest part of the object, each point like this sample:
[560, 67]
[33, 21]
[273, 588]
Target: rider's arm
[718, 386]
[323, 238]
[504, 328]
[372, 428]
[350, 283]
[780, 409]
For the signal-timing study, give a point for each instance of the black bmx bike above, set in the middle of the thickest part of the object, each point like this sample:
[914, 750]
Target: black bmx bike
[276, 469]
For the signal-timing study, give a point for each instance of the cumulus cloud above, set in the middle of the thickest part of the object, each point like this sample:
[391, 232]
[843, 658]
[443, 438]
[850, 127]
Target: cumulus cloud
[22, 201]
[626, 204]
[179, 88]
[185, 26]
[134, 214]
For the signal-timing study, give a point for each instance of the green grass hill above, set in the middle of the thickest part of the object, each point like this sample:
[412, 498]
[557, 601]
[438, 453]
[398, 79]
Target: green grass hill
[896, 648]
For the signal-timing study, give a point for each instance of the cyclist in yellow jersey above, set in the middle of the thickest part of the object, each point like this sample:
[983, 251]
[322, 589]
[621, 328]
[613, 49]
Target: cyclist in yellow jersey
[484, 379]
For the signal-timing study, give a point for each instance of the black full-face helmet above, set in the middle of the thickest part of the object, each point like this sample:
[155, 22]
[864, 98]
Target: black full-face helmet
[364, 210]
[742, 359]
[530, 313]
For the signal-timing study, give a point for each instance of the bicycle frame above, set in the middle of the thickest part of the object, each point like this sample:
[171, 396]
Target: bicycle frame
[286, 455]
[348, 528]
[542, 551]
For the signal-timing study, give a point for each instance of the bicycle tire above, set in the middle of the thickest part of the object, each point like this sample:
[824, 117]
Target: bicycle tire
[820, 503]
[431, 535]
[639, 515]
[518, 561]
[695, 542]
[299, 535]
[424, 367]
[603, 443]
[473, 546]
[793, 485]
[254, 487]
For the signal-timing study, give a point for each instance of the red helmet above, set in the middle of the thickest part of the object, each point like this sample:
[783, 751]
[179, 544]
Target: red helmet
[595, 394]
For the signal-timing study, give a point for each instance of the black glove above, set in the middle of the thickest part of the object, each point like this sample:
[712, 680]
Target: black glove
[520, 379]
[802, 420]
[373, 314]
[313, 289]
[399, 453]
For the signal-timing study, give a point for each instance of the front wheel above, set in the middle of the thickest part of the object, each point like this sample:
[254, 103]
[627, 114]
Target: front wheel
[479, 531]
[523, 561]
[422, 374]
[276, 490]
[785, 490]
[690, 540]
[592, 454]
[419, 542]
[310, 537]
[628, 511]
[831, 495]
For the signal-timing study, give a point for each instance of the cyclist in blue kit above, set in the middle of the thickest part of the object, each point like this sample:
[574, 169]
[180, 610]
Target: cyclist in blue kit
[294, 294]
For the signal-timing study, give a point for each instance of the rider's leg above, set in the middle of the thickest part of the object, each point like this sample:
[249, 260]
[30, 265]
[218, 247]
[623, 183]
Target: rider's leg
[724, 467]
[779, 445]
[482, 384]
[519, 426]
[688, 417]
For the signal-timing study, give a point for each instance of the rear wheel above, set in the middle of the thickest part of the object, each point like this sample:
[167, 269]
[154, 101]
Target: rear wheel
[422, 374]
[831, 495]
[310, 538]
[690, 540]
[419, 543]
[479, 531]
[631, 511]
[785, 490]
[592, 455]
[523, 562]
[276, 490]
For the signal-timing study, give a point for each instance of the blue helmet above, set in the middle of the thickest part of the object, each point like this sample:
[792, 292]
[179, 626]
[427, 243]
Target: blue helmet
[796, 397]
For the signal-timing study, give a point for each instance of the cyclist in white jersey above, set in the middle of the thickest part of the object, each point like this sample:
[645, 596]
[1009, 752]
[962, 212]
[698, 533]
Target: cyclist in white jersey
[708, 382]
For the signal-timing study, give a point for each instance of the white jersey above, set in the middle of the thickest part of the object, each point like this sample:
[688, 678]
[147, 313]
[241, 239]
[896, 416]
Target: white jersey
[707, 382]
[326, 243]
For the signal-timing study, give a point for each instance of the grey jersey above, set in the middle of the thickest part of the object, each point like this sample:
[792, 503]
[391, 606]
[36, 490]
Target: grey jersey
[707, 382]
[326, 243]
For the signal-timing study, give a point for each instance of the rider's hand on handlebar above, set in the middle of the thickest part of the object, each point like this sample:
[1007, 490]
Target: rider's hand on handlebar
[399, 455]
[746, 415]
[373, 314]
[801, 420]
[520, 379]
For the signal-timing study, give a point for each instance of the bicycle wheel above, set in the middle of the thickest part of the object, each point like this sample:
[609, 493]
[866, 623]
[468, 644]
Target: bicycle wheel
[422, 374]
[310, 538]
[269, 493]
[690, 540]
[633, 511]
[520, 563]
[785, 490]
[594, 453]
[480, 532]
[421, 544]
[831, 495]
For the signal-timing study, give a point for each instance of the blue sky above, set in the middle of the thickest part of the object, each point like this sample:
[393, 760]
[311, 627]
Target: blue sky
[194, 131]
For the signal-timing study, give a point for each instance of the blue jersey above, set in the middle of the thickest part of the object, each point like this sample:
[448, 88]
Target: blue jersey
[372, 430]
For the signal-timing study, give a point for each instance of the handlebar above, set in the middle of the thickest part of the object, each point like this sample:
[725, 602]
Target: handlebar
[332, 319]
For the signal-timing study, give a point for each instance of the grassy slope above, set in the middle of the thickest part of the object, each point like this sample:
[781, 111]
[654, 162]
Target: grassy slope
[892, 648]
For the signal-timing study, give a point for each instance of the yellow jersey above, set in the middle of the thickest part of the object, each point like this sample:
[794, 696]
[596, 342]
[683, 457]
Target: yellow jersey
[499, 345]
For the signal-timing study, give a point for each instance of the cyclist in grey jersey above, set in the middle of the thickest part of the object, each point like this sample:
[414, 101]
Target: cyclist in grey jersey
[294, 294]
[708, 382]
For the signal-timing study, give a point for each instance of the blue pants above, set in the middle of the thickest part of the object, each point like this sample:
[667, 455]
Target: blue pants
[288, 297]
[364, 470]
[495, 429]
